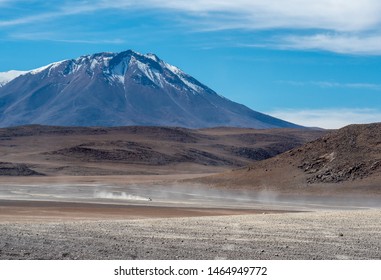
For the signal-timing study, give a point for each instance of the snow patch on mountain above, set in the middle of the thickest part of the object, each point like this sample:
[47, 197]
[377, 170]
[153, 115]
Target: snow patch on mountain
[101, 60]
[118, 78]
[182, 76]
[50, 66]
[93, 64]
[150, 73]
[152, 56]
[6, 77]
[191, 85]
[172, 68]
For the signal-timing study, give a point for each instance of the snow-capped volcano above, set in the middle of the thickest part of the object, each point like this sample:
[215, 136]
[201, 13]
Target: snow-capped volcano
[115, 89]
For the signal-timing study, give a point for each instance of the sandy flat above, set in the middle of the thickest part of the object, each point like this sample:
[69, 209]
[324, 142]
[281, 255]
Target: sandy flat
[50, 211]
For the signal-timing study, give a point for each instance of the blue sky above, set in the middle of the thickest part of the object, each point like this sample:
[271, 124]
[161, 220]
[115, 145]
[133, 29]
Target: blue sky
[316, 63]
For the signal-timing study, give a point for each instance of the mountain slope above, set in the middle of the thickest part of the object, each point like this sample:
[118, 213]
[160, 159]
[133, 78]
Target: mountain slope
[116, 89]
[349, 158]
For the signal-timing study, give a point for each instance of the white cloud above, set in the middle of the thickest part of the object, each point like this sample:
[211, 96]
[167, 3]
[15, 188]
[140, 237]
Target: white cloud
[339, 43]
[368, 86]
[328, 118]
[339, 15]
[329, 84]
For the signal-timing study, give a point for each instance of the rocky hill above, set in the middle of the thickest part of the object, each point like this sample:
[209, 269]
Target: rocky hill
[347, 158]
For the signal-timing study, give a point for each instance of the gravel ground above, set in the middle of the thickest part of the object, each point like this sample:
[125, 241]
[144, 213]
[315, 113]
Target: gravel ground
[313, 235]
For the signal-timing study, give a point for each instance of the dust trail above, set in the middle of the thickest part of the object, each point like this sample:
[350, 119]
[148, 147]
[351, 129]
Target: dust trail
[119, 195]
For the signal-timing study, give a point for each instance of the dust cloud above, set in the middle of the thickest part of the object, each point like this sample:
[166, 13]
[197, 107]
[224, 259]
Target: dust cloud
[119, 195]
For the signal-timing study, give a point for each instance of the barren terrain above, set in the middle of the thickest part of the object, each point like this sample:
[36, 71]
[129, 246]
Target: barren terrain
[153, 193]
[80, 151]
[151, 220]
[318, 235]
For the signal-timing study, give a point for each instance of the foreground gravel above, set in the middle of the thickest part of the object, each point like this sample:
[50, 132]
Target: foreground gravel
[314, 235]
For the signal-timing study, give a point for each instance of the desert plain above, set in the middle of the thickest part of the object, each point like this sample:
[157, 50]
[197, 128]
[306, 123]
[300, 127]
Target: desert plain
[168, 193]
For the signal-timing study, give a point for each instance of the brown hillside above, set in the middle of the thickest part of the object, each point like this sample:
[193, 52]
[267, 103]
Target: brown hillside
[141, 150]
[349, 158]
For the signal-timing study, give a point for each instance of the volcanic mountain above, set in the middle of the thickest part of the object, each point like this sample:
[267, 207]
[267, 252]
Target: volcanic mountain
[119, 89]
[346, 160]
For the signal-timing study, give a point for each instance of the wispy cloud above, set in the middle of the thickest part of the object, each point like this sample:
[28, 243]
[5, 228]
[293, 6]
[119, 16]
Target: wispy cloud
[349, 26]
[329, 84]
[328, 118]
[5, 2]
[339, 15]
[56, 37]
[345, 43]
[69, 8]
[95, 41]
